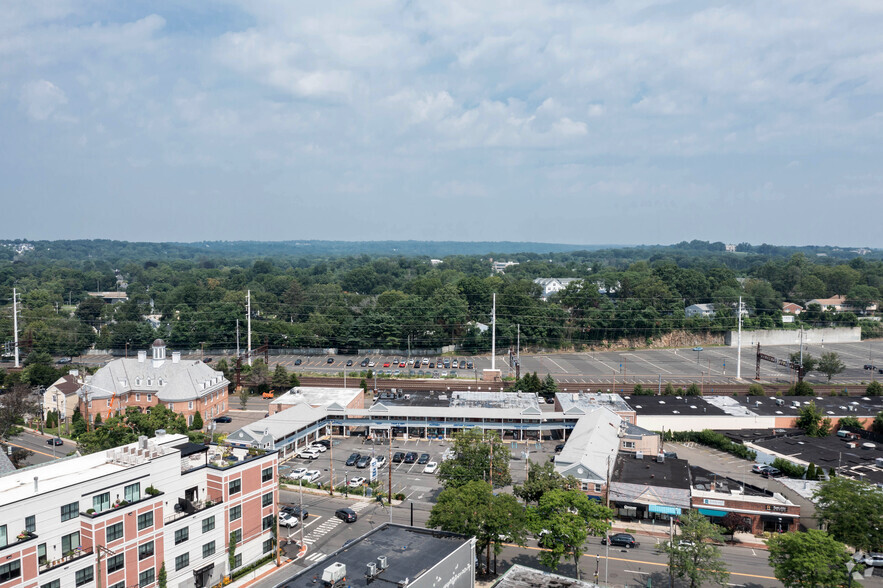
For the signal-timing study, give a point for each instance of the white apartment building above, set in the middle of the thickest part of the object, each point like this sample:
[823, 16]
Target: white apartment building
[118, 515]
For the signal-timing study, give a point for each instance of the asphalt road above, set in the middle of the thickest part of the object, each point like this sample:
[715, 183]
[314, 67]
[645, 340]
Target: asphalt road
[41, 452]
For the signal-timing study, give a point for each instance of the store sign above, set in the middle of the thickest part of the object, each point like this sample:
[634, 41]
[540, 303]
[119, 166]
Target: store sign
[713, 502]
[775, 508]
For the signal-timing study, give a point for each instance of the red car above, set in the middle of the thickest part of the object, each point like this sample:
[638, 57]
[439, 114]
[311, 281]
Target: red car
[386, 364]
[402, 364]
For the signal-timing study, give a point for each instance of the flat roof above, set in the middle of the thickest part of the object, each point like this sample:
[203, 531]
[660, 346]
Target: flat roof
[671, 473]
[828, 452]
[494, 399]
[519, 576]
[589, 401]
[318, 396]
[410, 552]
[673, 405]
[706, 480]
[830, 405]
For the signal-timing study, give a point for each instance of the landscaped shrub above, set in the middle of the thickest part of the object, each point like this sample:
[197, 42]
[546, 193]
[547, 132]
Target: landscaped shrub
[711, 439]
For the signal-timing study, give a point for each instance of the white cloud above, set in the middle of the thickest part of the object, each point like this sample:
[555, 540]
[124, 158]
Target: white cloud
[41, 98]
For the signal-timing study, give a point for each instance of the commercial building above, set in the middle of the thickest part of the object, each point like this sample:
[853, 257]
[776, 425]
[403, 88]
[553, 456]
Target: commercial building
[577, 403]
[316, 397]
[398, 556]
[644, 487]
[112, 518]
[184, 386]
[519, 576]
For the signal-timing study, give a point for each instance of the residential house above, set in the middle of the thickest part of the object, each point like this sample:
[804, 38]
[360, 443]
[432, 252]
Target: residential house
[552, 285]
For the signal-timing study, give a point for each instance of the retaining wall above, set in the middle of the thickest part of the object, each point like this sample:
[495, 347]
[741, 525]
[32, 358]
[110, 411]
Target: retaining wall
[792, 336]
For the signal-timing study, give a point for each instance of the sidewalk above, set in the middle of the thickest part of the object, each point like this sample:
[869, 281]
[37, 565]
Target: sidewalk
[661, 530]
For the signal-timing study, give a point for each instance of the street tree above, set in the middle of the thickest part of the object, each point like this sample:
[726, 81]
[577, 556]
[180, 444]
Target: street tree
[541, 478]
[812, 559]
[734, 522]
[197, 423]
[17, 403]
[280, 377]
[830, 365]
[850, 510]
[562, 521]
[693, 554]
[243, 398]
[477, 455]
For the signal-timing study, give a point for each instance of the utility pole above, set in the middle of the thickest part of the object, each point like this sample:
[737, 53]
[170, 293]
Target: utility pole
[801, 348]
[15, 323]
[518, 353]
[493, 335]
[101, 550]
[739, 344]
[237, 337]
[248, 307]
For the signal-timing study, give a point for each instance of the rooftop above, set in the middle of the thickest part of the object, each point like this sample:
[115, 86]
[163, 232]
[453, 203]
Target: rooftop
[494, 399]
[588, 401]
[671, 473]
[410, 552]
[591, 446]
[519, 576]
[317, 396]
[171, 379]
[673, 405]
[706, 480]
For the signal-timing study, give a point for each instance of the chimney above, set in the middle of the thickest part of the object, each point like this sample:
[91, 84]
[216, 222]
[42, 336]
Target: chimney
[142, 356]
[176, 356]
[36, 484]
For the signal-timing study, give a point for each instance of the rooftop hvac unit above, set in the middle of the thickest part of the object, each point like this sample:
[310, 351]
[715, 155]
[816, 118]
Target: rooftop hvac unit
[868, 445]
[639, 455]
[879, 462]
[334, 573]
[660, 458]
[372, 569]
[381, 562]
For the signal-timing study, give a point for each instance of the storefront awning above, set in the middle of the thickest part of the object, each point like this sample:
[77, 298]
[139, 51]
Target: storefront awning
[667, 510]
[712, 513]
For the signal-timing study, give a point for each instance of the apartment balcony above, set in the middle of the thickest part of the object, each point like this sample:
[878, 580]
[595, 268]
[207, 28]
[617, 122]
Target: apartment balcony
[185, 508]
[21, 538]
[71, 556]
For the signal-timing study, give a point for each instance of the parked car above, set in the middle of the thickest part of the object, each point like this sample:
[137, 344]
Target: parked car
[410, 457]
[364, 362]
[621, 539]
[381, 461]
[371, 364]
[469, 365]
[298, 361]
[697, 349]
[352, 459]
[363, 461]
[454, 364]
[559, 447]
[347, 515]
[54, 441]
[424, 459]
[759, 468]
[309, 453]
[430, 468]
[312, 475]
[432, 365]
[288, 520]
[63, 360]
[297, 510]
[356, 482]
[874, 560]
[223, 419]
[349, 362]
[319, 447]
[771, 472]
[398, 457]
[330, 360]
[324, 443]
[297, 473]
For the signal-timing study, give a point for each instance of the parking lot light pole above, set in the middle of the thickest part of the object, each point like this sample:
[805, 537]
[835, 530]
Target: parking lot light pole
[346, 484]
[300, 483]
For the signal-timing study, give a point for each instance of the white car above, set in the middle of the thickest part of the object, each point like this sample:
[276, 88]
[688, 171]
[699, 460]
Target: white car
[312, 476]
[287, 520]
[372, 363]
[319, 447]
[298, 473]
[425, 361]
[356, 482]
[430, 467]
[381, 461]
[874, 560]
[309, 453]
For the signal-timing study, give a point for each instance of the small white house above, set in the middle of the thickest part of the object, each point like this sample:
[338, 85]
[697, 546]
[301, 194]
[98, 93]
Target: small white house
[703, 310]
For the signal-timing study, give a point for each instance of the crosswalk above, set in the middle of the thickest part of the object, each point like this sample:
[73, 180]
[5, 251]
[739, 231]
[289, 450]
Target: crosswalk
[330, 524]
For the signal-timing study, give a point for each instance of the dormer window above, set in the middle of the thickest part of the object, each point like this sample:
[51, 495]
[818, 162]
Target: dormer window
[137, 381]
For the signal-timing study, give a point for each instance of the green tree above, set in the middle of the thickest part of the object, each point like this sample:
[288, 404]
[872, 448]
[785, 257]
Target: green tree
[693, 390]
[562, 521]
[231, 552]
[875, 388]
[550, 387]
[851, 423]
[162, 576]
[801, 389]
[830, 365]
[294, 381]
[259, 376]
[877, 425]
[850, 510]
[693, 555]
[813, 422]
[476, 454]
[280, 377]
[541, 478]
[197, 423]
[755, 390]
[243, 398]
[812, 559]
[810, 363]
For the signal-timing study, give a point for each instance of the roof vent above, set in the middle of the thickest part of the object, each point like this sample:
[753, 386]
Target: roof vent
[160, 433]
[176, 356]
[639, 455]
[382, 563]
[372, 569]
[142, 356]
[868, 445]
[142, 442]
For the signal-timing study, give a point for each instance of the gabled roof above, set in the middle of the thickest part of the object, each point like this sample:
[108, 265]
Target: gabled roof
[66, 384]
[592, 447]
[186, 379]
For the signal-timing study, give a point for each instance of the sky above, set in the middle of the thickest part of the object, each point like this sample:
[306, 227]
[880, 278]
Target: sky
[635, 121]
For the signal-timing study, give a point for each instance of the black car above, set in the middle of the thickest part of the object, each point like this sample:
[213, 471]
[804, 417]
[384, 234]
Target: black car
[54, 441]
[410, 457]
[347, 515]
[398, 457]
[432, 365]
[324, 443]
[349, 362]
[296, 511]
[424, 459]
[364, 362]
[330, 360]
[621, 539]
[559, 447]
[298, 361]
[363, 461]
[223, 419]
[206, 360]
[771, 472]
[469, 365]
[352, 459]
[63, 360]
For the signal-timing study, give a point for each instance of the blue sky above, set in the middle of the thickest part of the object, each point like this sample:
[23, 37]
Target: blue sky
[576, 122]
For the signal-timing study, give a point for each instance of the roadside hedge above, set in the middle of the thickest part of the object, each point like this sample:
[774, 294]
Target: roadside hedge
[711, 439]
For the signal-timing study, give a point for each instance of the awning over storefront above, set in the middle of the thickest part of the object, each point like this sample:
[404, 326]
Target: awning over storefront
[667, 510]
[712, 513]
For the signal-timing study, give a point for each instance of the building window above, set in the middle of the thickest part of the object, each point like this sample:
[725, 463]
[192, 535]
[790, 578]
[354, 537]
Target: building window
[41, 554]
[267, 522]
[138, 395]
[208, 524]
[190, 405]
[101, 502]
[132, 492]
[117, 585]
[237, 560]
[628, 444]
[145, 520]
[182, 535]
[3, 539]
[31, 524]
[52, 584]
[597, 487]
[234, 487]
[11, 571]
[114, 532]
[145, 551]
[268, 546]
[70, 542]
[115, 563]
[235, 513]
[266, 474]
[145, 578]
[182, 561]
[236, 536]
[171, 406]
[149, 397]
[70, 511]
[208, 549]
[85, 575]
[267, 499]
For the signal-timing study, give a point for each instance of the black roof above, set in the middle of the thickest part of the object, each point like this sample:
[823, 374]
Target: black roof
[190, 448]
[707, 480]
[410, 551]
[671, 473]
[687, 405]
[830, 405]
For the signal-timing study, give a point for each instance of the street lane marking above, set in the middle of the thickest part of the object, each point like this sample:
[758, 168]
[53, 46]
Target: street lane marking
[636, 572]
[558, 364]
[35, 450]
